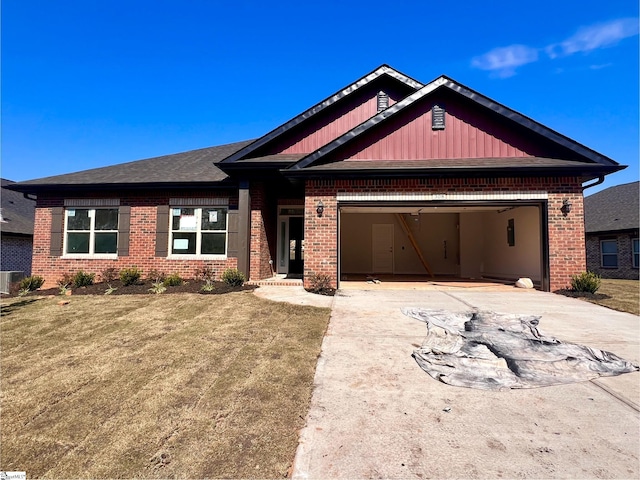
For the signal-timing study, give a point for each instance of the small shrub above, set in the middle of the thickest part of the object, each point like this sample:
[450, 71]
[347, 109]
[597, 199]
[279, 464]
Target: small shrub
[173, 280]
[130, 276]
[109, 274]
[585, 282]
[233, 277]
[65, 280]
[82, 279]
[205, 274]
[158, 288]
[320, 283]
[155, 276]
[208, 286]
[31, 283]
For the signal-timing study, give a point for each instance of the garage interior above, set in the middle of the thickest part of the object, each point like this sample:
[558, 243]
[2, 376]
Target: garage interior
[444, 243]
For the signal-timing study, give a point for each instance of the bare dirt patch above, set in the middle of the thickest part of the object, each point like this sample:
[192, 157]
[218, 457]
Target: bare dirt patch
[155, 386]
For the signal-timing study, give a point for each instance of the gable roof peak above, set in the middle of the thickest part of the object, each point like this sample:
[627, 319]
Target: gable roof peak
[383, 69]
[478, 99]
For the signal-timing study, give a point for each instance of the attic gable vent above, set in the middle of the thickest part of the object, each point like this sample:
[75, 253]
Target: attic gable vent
[383, 101]
[437, 118]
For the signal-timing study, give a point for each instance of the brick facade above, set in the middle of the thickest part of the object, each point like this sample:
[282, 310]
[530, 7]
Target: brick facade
[16, 253]
[142, 238]
[625, 269]
[565, 232]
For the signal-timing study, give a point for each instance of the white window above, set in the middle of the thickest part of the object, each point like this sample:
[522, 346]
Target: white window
[91, 231]
[636, 252]
[609, 253]
[198, 231]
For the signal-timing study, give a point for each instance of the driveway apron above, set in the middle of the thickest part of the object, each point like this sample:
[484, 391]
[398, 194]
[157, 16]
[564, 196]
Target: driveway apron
[376, 414]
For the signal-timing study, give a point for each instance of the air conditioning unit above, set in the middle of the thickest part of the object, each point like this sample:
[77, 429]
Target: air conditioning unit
[7, 278]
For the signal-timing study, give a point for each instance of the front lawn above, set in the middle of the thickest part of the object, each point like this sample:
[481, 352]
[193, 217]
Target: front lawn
[155, 386]
[622, 295]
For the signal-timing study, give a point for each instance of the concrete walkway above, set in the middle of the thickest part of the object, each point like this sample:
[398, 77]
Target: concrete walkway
[376, 414]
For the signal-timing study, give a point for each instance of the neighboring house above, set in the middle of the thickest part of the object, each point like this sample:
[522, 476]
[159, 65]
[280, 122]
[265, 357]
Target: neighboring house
[386, 176]
[16, 230]
[612, 223]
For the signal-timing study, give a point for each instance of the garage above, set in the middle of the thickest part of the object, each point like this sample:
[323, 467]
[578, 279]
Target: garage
[444, 241]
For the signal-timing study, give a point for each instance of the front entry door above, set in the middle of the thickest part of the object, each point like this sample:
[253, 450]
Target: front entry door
[296, 245]
[382, 243]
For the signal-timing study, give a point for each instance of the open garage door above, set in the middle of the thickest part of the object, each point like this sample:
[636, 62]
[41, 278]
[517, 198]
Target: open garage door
[483, 241]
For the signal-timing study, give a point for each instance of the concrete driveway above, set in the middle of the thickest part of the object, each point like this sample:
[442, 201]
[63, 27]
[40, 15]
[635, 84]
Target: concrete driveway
[376, 414]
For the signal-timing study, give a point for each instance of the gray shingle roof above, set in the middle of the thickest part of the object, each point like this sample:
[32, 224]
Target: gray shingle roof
[18, 212]
[195, 166]
[612, 209]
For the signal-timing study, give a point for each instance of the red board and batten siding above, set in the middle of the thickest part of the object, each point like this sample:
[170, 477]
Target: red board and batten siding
[335, 120]
[415, 140]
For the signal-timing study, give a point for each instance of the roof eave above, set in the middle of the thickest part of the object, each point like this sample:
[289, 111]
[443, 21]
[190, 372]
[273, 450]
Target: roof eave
[468, 172]
[35, 189]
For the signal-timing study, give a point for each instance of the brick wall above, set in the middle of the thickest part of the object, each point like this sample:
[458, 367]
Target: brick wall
[566, 233]
[259, 267]
[16, 254]
[625, 269]
[142, 239]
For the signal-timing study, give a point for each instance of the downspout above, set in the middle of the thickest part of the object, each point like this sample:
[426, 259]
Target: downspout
[597, 182]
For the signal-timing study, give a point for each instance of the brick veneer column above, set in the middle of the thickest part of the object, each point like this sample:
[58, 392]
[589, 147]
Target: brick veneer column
[260, 254]
[320, 233]
[567, 251]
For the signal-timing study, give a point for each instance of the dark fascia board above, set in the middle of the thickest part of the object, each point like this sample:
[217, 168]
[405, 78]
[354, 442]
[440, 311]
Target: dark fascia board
[458, 172]
[446, 82]
[67, 188]
[378, 72]
[246, 165]
[607, 233]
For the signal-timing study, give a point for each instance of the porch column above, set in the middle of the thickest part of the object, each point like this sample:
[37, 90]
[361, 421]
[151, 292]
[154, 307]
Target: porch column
[244, 227]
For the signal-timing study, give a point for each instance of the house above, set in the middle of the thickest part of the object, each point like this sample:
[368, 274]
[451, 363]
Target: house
[386, 176]
[16, 230]
[611, 225]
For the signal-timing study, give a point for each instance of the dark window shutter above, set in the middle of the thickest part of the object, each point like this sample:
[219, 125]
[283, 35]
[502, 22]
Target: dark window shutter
[124, 220]
[162, 231]
[57, 231]
[232, 247]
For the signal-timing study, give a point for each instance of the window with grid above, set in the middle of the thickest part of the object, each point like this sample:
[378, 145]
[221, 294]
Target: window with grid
[198, 231]
[636, 252]
[91, 231]
[609, 253]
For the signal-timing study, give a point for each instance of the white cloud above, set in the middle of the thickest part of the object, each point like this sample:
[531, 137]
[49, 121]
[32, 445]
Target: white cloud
[505, 60]
[600, 35]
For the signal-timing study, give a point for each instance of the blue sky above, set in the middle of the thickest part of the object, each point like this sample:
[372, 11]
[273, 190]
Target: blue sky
[93, 83]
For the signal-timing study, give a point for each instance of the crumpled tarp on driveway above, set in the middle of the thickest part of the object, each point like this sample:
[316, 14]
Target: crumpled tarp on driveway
[493, 351]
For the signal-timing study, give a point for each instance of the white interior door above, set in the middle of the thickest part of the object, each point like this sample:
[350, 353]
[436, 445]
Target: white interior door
[382, 241]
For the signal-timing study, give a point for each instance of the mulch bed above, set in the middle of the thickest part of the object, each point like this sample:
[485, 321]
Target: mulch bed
[587, 295]
[141, 288]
